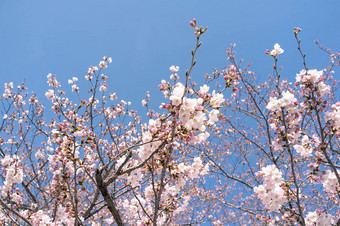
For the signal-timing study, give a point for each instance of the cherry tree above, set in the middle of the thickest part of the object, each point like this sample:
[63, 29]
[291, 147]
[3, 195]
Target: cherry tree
[274, 153]
[226, 151]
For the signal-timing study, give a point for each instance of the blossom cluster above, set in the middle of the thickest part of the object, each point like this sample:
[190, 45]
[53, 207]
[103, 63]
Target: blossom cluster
[13, 174]
[304, 149]
[287, 101]
[174, 69]
[42, 217]
[8, 90]
[276, 51]
[330, 182]
[333, 119]
[284, 109]
[231, 77]
[319, 218]
[313, 87]
[192, 111]
[174, 201]
[271, 192]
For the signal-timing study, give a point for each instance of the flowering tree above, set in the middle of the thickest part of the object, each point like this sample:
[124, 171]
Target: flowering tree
[244, 152]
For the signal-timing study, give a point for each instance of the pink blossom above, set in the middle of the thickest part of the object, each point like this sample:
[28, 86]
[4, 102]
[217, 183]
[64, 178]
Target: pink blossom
[177, 94]
[204, 89]
[216, 100]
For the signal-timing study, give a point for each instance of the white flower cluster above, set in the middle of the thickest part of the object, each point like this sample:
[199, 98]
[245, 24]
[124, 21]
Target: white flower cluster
[277, 50]
[277, 107]
[12, 172]
[311, 75]
[271, 193]
[330, 182]
[177, 94]
[314, 77]
[304, 149]
[174, 69]
[52, 81]
[191, 112]
[334, 115]
[8, 90]
[286, 101]
[319, 218]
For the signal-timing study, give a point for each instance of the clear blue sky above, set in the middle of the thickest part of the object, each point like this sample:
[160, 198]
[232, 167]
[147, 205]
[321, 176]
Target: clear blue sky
[145, 37]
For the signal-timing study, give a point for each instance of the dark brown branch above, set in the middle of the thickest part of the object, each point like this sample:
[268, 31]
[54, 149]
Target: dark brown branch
[105, 193]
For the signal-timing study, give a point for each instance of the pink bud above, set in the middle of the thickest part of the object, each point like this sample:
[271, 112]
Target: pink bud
[297, 30]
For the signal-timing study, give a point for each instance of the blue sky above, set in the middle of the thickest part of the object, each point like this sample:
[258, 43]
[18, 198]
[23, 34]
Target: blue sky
[144, 38]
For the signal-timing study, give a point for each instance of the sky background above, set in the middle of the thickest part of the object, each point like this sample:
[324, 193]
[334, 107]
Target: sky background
[144, 38]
